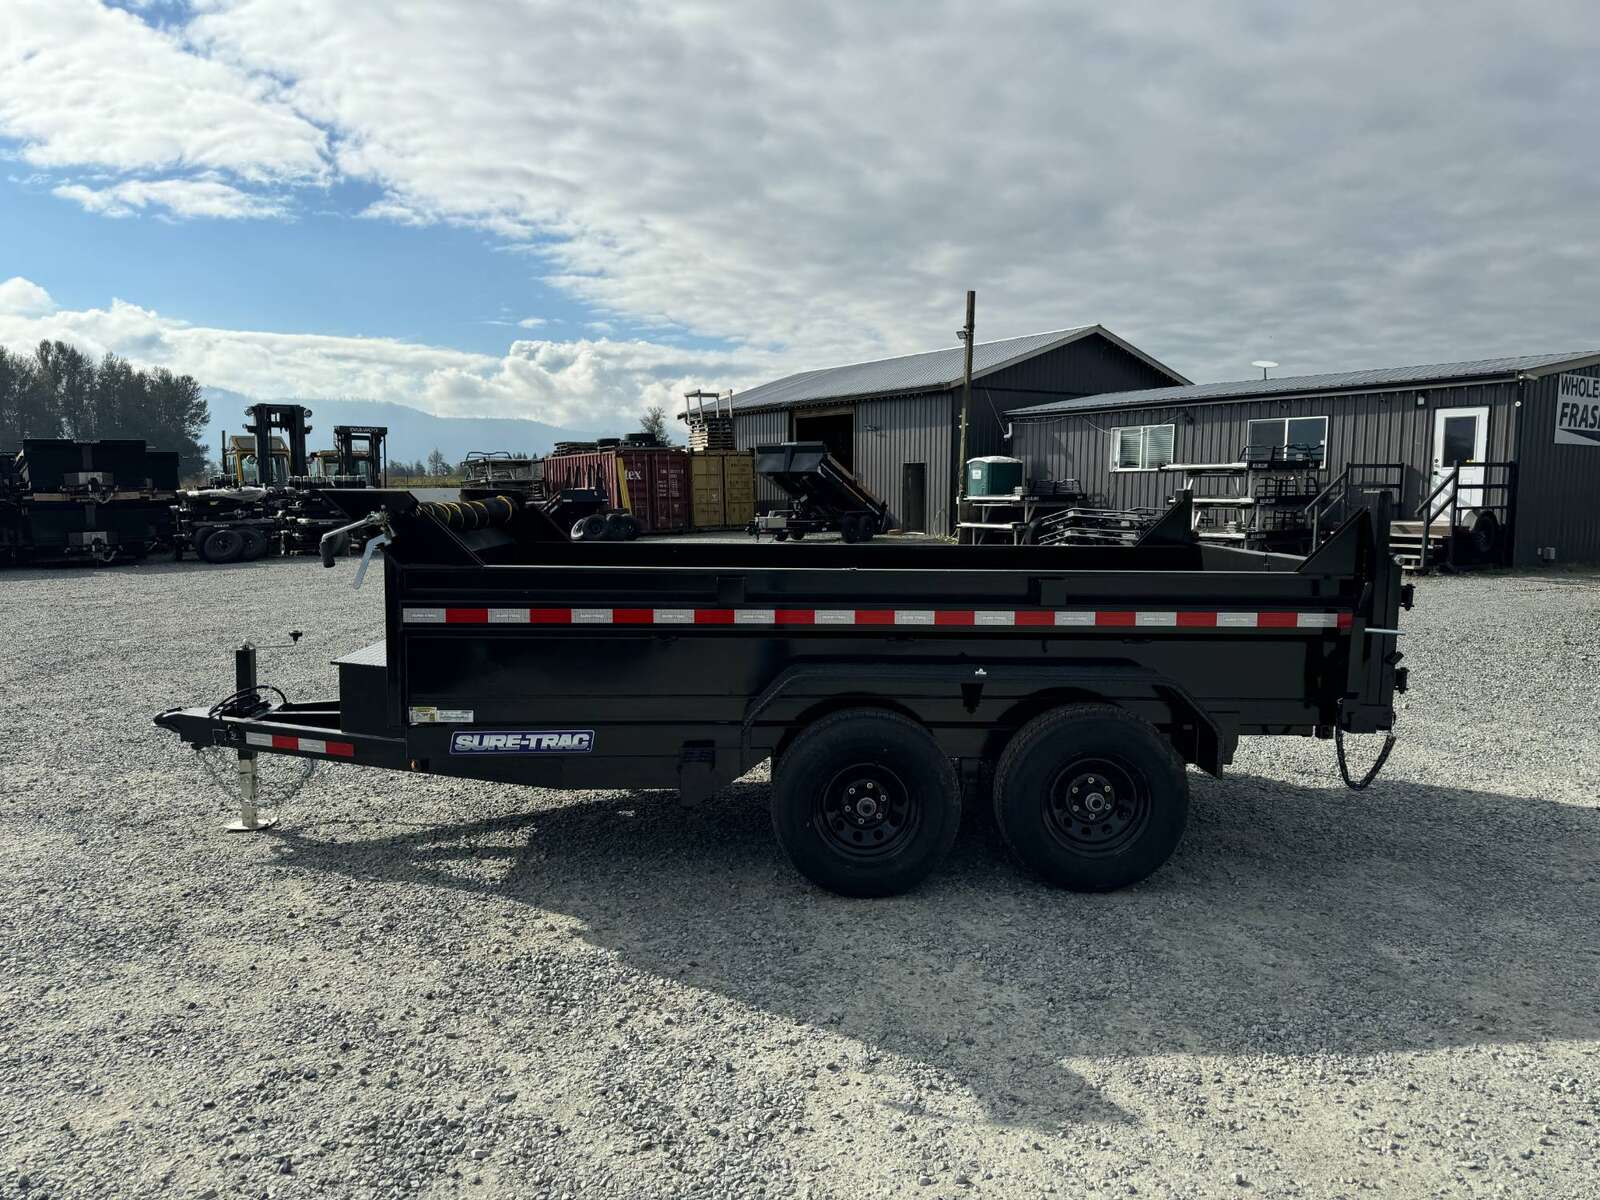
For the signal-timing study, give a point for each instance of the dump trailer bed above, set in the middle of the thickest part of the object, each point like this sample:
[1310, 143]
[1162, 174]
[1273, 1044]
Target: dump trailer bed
[823, 495]
[1076, 682]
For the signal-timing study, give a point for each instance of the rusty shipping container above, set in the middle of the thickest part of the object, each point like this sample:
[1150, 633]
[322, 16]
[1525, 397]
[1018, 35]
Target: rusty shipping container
[723, 484]
[650, 482]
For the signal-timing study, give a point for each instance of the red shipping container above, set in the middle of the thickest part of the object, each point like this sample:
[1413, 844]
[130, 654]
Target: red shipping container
[651, 483]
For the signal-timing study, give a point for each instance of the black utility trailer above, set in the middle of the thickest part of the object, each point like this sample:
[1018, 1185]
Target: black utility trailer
[823, 495]
[1080, 679]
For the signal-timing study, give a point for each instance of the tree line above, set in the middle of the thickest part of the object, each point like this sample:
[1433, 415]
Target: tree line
[58, 391]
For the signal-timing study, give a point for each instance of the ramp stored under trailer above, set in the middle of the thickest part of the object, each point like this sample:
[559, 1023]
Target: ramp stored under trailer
[1084, 677]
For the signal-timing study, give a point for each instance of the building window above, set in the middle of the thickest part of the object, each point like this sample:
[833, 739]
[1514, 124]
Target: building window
[1289, 439]
[1141, 447]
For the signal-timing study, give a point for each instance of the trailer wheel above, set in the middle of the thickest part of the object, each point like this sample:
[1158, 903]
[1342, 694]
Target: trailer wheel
[848, 529]
[865, 803]
[1091, 797]
[781, 535]
[222, 546]
[590, 529]
[255, 545]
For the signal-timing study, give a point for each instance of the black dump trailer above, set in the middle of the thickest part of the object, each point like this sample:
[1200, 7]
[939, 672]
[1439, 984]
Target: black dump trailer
[823, 495]
[1081, 680]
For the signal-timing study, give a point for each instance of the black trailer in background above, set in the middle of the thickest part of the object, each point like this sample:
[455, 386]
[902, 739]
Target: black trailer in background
[823, 495]
[1082, 678]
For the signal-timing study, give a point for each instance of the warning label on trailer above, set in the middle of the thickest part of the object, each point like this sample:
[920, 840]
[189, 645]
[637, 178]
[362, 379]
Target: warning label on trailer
[542, 741]
[1578, 411]
[428, 715]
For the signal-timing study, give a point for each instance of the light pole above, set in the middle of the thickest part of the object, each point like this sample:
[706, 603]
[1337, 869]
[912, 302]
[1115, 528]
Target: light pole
[965, 334]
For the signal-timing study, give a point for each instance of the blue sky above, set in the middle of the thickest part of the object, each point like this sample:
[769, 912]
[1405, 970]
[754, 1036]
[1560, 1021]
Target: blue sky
[324, 270]
[290, 197]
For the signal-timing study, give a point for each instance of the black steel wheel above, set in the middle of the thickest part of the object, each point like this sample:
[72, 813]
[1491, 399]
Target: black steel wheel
[616, 526]
[222, 546]
[255, 544]
[865, 803]
[799, 535]
[781, 535]
[1090, 797]
[849, 530]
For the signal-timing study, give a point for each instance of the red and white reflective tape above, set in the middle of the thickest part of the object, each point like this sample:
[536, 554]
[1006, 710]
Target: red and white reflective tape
[279, 741]
[923, 618]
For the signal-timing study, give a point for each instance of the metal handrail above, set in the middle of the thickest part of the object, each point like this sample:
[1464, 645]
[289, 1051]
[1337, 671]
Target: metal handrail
[1336, 496]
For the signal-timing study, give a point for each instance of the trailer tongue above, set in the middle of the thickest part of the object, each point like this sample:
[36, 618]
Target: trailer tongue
[1080, 679]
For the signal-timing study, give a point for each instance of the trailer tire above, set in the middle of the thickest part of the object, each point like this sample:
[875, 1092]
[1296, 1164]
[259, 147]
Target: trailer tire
[222, 546]
[1125, 769]
[848, 529]
[255, 545]
[905, 817]
[590, 529]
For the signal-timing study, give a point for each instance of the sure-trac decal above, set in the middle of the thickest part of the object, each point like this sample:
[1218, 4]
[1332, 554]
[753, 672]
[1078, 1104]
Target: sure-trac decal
[524, 741]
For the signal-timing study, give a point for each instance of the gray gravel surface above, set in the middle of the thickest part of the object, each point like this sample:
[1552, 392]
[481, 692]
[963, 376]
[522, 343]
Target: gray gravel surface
[423, 987]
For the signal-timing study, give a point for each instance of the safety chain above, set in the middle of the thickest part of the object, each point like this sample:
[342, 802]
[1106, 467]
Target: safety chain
[226, 778]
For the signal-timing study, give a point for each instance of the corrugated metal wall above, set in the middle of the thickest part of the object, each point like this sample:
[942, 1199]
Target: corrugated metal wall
[908, 429]
[1370, 427]
[923, 427]
[762, 429]
[1558, 493]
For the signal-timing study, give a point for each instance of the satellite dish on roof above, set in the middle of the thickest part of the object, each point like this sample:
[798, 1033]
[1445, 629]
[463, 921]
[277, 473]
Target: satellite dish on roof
[1265, 364]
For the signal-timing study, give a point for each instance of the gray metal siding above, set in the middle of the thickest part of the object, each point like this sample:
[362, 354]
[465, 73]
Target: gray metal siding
[1369, 428]
[1084, 368]
[907, 429]
[762, 429]
[1558, 493]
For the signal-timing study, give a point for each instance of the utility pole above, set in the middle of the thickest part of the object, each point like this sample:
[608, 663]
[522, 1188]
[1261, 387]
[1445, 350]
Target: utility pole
[965, 335]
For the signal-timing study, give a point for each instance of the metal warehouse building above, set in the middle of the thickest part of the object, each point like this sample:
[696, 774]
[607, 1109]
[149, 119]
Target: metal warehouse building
[1519, 438]
[895, 422]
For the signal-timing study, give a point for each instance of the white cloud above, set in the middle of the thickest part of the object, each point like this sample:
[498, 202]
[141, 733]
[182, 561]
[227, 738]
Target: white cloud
[1215, 181]
[21, 297]
[86, 85]
[533, 322]
[180, 197]
[1326, 186]
[585, 384]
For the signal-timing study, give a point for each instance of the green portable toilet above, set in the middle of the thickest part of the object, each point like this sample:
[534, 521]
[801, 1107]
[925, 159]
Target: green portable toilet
[994, 475]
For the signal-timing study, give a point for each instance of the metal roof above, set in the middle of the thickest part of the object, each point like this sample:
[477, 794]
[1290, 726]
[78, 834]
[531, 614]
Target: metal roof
[930, 371]
[1338, 381]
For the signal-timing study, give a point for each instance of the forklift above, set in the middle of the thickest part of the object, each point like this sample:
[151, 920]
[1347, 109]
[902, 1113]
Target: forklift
[268, 497]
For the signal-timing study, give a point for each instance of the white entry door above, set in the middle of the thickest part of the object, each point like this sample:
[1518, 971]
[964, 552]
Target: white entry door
[1460, 435]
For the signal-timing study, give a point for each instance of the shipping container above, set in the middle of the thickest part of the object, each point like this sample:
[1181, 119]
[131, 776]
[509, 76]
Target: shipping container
[723, 486]
[650, 483]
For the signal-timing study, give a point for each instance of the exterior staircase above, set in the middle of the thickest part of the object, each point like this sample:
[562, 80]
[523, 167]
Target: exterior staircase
[1405, 544]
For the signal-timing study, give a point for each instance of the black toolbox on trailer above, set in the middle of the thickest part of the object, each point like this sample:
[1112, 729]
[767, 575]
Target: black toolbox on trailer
[1082, 679]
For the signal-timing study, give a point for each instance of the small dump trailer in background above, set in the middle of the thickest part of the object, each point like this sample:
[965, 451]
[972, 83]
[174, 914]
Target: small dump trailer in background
[1083, 677]
[823, 494]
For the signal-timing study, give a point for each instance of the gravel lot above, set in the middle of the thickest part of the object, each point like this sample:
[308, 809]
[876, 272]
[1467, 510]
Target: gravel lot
[425, 987]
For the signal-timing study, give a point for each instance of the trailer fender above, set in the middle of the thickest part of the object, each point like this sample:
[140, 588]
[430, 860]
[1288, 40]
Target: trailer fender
[979, 706]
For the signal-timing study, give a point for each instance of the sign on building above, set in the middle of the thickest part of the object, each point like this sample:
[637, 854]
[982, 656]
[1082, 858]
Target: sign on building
[1578, 411]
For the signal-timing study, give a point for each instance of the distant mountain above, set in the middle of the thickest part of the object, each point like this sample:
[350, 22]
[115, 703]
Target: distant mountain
[413, 434]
